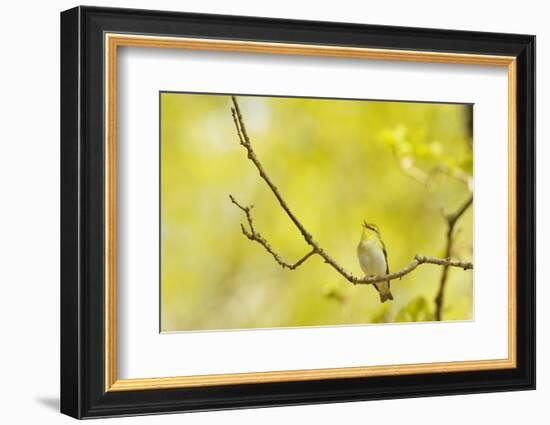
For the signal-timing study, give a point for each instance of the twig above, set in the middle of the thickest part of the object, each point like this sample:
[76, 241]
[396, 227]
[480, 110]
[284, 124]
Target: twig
[408, 167]
[316, 249]
[451, 222]
[255, 236]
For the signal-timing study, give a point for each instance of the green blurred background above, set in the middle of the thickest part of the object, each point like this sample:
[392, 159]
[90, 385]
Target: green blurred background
[337, 163]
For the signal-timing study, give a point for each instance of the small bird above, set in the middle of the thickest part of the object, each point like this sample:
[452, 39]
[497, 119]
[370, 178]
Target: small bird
[373, 258]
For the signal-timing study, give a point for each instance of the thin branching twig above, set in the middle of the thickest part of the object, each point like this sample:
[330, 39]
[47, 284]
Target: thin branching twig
[409, 168]
[451, 222]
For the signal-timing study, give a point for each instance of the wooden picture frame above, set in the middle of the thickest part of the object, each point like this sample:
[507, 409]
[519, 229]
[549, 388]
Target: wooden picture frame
[90, 39]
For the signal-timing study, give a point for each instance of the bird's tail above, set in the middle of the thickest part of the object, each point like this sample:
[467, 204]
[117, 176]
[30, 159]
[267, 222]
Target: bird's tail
[384, 292]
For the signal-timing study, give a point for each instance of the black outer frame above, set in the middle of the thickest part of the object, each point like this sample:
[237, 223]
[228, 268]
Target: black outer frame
[82, 212]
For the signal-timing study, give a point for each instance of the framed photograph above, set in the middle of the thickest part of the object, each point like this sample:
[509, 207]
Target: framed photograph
[261, 212]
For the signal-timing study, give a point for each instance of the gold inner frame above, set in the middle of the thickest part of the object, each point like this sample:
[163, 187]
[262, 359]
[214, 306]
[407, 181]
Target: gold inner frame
[113, 41]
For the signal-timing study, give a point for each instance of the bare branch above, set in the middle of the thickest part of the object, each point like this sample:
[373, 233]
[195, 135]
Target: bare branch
[407, 165]
[451, 222]
[255, 236]
[316, 249]
[245, 141]
[452, 218]
[448, 262]
[418, 260]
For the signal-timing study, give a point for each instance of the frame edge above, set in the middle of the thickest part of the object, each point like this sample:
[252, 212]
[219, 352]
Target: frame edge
[70, 349]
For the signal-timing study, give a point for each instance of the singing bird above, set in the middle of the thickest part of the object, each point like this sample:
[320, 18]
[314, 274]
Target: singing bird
[373, 258]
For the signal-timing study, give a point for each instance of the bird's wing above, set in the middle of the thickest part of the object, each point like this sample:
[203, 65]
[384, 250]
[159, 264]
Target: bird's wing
[386, 258]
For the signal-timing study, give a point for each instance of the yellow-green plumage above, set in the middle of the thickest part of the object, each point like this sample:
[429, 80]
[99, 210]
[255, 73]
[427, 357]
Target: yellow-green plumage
[373, 259]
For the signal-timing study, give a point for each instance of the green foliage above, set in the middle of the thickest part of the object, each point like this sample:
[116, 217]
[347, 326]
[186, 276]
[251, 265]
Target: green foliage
[417, 310]
[333, 291]
[337, 163]
[418, 148]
